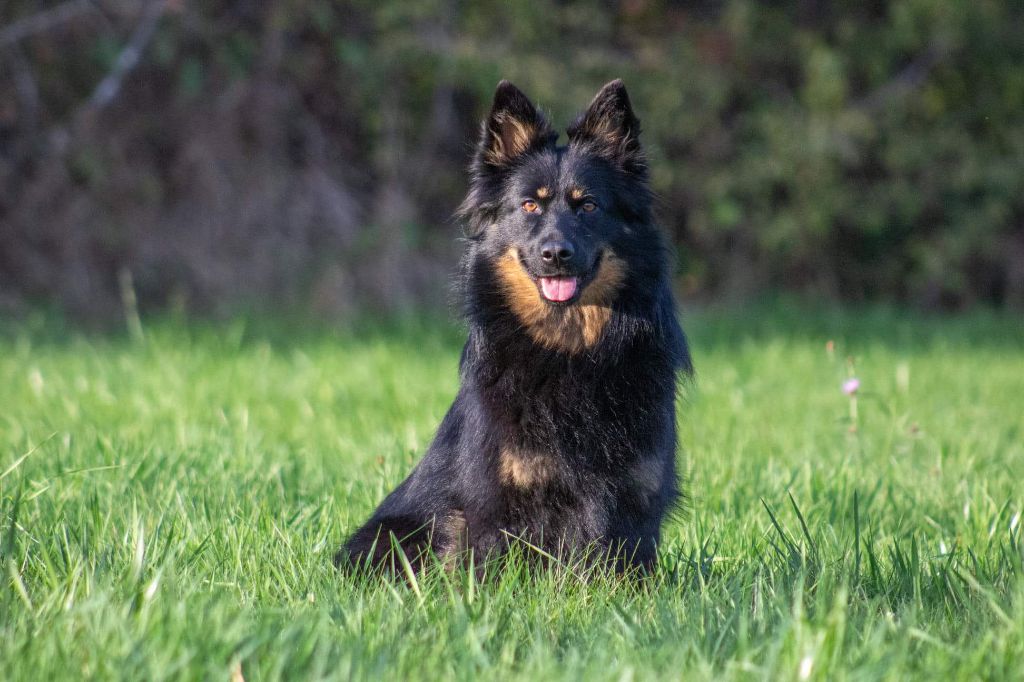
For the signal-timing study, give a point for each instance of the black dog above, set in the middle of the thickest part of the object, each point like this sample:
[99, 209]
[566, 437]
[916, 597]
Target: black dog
[563, 432]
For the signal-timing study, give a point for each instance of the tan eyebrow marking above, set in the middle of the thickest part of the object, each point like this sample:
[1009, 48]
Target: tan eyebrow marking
[577, 193]
[543, 192]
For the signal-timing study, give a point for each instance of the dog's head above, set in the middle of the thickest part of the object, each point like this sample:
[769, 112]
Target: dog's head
[565, 229]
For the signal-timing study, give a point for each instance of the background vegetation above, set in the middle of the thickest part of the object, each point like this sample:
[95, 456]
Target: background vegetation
[169, 506]
[170, 496]
[235, 153]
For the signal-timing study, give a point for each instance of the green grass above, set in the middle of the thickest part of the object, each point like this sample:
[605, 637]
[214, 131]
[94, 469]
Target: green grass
[169, 507]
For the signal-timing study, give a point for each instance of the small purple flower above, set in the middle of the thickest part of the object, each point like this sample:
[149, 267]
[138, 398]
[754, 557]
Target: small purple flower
[850, 386]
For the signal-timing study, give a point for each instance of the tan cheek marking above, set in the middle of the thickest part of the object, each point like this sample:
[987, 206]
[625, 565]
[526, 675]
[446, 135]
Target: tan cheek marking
[597, 299]
[572, 329]
[543, 192]
[523, 469]
[521, 292]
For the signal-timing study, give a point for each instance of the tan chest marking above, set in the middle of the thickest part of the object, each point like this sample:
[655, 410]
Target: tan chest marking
[524, 469]
[571, 329]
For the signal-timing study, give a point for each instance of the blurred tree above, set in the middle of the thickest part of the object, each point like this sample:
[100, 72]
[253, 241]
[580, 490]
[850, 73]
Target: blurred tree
[232, 152]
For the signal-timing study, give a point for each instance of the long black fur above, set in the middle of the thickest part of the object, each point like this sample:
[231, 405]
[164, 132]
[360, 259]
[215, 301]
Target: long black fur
[602, 418]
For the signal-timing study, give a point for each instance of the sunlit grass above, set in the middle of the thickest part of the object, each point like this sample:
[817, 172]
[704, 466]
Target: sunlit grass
[169, 508]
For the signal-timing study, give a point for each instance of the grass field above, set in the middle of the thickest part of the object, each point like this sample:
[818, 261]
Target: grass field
[169, 506]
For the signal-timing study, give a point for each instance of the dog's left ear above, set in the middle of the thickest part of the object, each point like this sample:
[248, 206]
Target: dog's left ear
[611, 128]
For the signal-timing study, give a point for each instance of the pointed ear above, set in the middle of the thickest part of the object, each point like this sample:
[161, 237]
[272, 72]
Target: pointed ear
[513, 127]
[610, 127]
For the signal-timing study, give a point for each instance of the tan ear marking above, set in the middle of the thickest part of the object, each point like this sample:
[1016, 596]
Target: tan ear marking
[519, 135]
[511, 138]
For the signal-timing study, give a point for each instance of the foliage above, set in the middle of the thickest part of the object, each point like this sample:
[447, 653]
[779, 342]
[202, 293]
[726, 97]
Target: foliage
[169, 506]
[314, 151]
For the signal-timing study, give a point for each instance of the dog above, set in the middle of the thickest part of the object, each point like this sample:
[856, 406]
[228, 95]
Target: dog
[563, 434]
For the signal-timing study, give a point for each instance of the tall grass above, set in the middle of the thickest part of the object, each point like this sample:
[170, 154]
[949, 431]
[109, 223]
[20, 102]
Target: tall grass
[169, 504]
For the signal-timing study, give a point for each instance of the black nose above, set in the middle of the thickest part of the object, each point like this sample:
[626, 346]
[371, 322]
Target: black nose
[557, 252]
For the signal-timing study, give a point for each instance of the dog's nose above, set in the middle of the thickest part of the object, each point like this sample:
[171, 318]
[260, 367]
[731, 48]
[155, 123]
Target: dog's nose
[557, 252]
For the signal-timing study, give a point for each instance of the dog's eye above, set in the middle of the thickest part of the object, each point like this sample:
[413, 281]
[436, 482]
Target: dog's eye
[588, 206]
[531, 206]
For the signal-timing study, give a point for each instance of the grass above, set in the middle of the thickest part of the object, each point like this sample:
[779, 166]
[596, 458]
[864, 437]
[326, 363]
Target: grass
[169, 507]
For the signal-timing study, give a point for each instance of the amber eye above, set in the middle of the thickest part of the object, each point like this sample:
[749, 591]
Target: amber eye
[531, 206]
[589, 206]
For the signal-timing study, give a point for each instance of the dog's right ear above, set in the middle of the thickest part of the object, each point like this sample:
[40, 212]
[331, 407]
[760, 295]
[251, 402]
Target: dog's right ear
[514, 127]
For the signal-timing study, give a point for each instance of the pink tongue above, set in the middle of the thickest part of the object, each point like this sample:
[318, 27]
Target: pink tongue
[558, 289]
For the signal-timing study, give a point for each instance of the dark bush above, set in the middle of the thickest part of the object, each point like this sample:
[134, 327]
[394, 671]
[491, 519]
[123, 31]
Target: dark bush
[309, 154]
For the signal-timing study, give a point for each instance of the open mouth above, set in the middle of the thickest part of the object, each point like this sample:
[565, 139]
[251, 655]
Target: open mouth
[562, 289]
[559, 289]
